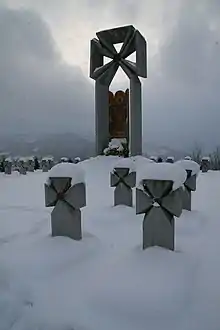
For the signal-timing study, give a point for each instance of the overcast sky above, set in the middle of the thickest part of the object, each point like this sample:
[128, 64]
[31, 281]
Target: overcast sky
[44, 61]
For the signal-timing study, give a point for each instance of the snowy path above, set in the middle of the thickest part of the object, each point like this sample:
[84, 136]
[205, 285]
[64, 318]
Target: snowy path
[106, 281]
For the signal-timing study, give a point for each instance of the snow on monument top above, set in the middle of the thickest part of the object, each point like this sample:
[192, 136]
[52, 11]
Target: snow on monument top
[133, 163]
[163, 172]
[67, 170]
[189, 165]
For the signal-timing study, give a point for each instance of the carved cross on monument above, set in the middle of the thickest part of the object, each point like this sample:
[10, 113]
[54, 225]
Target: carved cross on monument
[103, 75]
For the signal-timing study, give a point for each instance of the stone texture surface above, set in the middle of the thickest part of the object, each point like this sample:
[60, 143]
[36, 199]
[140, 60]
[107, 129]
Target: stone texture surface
[30, 165]
[123, 180]
[103, 75]
[205, 165]
[67, 201]
[22, 167]
[45, 165]
[159, 204]
[8, 167]
[189, 186]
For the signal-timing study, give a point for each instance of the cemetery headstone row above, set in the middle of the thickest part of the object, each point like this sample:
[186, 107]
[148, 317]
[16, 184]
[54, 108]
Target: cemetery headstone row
[162, 192]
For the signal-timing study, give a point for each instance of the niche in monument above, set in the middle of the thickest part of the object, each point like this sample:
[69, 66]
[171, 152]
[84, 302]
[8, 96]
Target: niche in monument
[119, 115]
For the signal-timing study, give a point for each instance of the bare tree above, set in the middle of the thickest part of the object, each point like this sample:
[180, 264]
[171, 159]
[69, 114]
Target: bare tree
[196, 154]
[215, 159]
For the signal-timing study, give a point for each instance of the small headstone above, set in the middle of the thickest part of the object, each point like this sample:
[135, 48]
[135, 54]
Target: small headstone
[8, 166]
[22, 167]
[170, 160]
[44, 165]
[205, 164]
[30, 164]
[154, 158]
[160, 204]
[67, 199]
[64, 160]
[158, 196]
[192, 169]
[50, 163]
[36, 164]
[123, 179]
[77, 160]
[160, 160]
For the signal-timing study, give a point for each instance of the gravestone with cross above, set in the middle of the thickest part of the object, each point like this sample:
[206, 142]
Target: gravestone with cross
[67, 200]
[160, 204]
[50, 163]
[192, 169]
[30, 164]
[205, 164]
[8, 165]
[45, 165]
[170, 160]
[22, 166]
[123, 179]
[103, 74]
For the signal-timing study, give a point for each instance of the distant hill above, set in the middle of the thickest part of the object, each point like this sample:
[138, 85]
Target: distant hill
[58, 145]
[69, 145]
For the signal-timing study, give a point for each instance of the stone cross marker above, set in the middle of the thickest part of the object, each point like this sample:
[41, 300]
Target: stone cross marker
[205, 164]
[67, 201]
[45, 165]
[22, 167]
[189, 186]
[8, 166]
[123, 180]
[30, 165]
[50, 163]
[192, 169]
[103, 74]
[160, 204]
[170, 160]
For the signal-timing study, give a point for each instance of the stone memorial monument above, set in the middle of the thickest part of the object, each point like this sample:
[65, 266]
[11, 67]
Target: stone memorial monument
[103, 74]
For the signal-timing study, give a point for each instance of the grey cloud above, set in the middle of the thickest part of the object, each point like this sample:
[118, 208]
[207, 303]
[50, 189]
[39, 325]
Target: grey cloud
[38, 91]
[180, 97]
[183, 101]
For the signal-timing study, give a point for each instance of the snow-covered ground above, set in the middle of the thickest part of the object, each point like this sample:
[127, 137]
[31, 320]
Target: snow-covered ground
[106, 281]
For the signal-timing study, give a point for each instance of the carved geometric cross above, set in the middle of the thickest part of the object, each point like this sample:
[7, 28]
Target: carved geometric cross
[160, 204]
[102, 46]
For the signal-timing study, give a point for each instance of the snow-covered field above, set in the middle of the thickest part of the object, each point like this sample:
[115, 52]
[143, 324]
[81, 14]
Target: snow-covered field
[106, 281]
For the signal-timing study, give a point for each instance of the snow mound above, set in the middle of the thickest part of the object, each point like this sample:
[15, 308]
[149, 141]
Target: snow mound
[9, 160]
[162, 171]
[106, 281]
[67, 170]
[189, 165]
[125, 163]
[206, 158]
